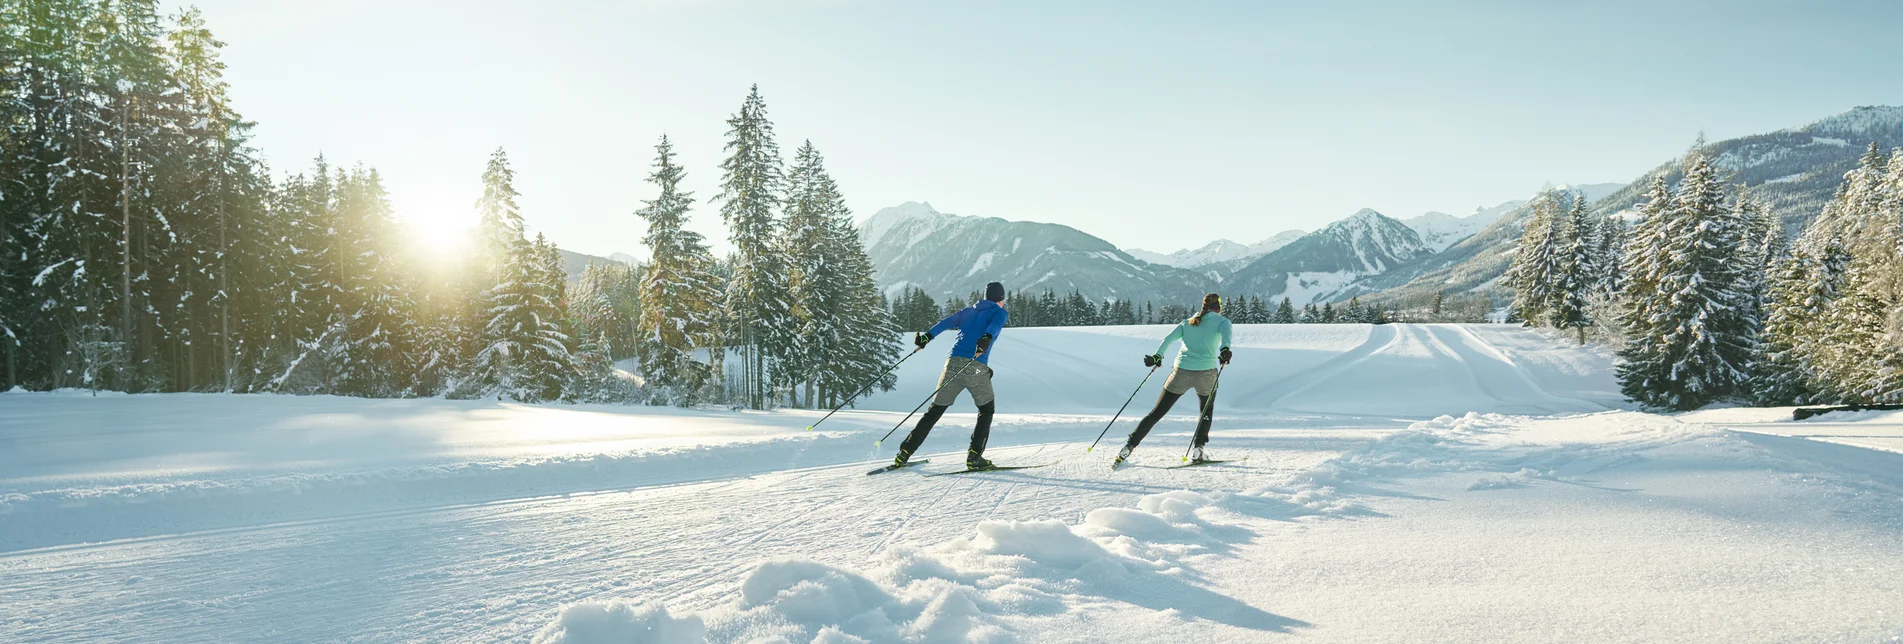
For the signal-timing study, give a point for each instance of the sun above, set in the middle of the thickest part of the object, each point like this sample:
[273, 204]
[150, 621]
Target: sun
[439, 225]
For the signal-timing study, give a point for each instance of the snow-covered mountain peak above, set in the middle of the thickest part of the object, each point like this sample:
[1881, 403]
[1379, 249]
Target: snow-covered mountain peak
[1365, 219]
[1364, 214]
[876, 226]
[1217, 252]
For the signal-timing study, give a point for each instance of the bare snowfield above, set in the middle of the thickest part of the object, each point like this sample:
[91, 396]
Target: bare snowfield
[1401, 483]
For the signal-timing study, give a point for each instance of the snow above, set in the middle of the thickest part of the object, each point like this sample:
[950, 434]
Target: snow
[983, 262]
[1219, 251]
[1401, 483]
[1305, 287]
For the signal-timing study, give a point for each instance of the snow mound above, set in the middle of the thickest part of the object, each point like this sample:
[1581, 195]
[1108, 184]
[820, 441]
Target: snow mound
[793, 600]
[962, 590]
[1522, 478]
[1050, 543]
[621, 623]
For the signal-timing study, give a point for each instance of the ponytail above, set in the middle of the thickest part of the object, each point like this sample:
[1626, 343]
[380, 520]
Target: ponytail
[1211, 302]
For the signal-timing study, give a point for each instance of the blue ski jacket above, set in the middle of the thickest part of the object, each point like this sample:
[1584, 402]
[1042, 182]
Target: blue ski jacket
[984, 317]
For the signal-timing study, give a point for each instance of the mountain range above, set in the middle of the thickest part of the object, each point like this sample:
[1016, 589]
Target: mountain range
[1367, 254]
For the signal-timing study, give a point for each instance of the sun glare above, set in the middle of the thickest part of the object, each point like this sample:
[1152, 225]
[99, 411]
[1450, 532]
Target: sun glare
[438, 225]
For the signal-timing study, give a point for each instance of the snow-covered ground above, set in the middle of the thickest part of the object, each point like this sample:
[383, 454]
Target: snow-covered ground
[1401, 483]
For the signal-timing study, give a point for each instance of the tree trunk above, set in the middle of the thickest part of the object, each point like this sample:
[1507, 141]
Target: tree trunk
[224, 282]
[125, 229]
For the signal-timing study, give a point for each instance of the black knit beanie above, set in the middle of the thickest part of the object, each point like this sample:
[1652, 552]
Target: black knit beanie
[994, 291]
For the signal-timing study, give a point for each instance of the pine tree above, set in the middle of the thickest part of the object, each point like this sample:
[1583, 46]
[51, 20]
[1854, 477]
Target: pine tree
[1575, 279]
[1693, 342]
[756, 295]
[812, 283]
[525, 354]
[1797, 295]
[1610, 251]
[868, 337]
[605, 306]
[679, 291]
[1853, 355]
[377, 336]
[1538, 263]
[1284, 312]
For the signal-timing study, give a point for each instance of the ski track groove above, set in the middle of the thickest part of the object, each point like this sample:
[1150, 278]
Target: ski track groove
[1321, 373]
[1512, 367]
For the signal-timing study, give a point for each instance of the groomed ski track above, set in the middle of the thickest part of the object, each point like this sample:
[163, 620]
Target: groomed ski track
[497, 563]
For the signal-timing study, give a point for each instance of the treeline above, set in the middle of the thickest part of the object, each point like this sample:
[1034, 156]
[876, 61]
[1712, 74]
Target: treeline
[1707, 300]
[915, 309]
[145, 247]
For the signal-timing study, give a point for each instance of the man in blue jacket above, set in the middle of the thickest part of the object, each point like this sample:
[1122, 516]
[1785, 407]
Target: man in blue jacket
[968, 368]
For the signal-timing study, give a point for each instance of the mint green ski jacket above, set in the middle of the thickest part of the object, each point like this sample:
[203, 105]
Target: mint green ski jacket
[1201, 343]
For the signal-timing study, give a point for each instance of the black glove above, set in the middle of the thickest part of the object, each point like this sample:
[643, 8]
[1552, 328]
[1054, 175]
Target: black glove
[1224, 356]
[984, 344]
[922, 339]
[1152, 360]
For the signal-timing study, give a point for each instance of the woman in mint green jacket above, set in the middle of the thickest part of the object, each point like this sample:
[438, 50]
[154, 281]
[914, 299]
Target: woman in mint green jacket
[1205, 338]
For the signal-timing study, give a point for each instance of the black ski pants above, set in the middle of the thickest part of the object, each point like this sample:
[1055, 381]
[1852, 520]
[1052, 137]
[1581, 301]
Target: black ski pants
[1163, 405]
[979, 434]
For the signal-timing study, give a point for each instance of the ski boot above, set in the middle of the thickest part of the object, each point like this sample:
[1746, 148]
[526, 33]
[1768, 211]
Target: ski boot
[899, 461]
[1196, 454]
[1122, 455]
[976, 461]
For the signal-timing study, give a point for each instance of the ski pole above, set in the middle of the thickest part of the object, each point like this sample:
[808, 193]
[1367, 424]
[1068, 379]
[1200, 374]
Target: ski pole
[1126, 405]
[921, 404]
[862, 390]
[1207, 405]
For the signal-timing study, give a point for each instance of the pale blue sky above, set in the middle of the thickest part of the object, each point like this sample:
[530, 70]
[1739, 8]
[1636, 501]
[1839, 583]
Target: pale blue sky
[1153, 125]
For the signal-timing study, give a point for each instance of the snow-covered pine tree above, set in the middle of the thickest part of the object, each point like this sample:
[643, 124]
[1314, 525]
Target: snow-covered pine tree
[605, 305]
[1854, 356]
[1798, 291]
[1538, 262]
[1574, 285]
[1693, 344]
[524, 356]
[868, 338]
[812, 283]
[378, 338]
[1352, 313]
[524, 353]
[679, 291]
[1284, 312]
[1763, 245]
[750, 191]
[1609, 251]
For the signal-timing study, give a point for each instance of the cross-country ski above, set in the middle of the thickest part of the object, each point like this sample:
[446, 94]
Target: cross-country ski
[1207, 462]
[950, 322]
[993, 468]
[899, 466]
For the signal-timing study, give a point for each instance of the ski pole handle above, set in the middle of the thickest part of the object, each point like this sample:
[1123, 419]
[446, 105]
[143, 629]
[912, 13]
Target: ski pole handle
[1126, 405]
[862, 390]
